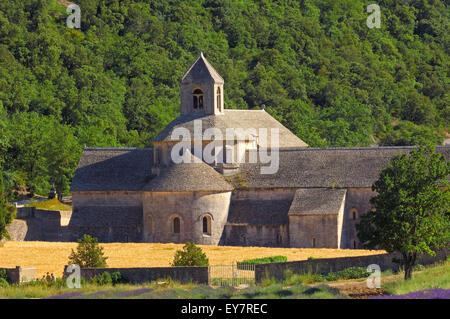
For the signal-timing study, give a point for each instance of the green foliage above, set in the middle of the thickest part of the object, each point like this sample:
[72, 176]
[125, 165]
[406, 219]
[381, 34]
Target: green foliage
[412, 206]
[264, 260]
[89, 254]
[104, 279]
[7, 212]
[3, 275]
[407, 133]
[314, 64]
[311, 277]
[436, 276]
[418, 267]
[3, 283]
[52, 204]
[348, 273]
[117, 278]
[191, 255]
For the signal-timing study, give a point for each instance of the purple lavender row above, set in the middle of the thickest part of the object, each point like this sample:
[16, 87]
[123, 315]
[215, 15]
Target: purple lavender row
[436, 293]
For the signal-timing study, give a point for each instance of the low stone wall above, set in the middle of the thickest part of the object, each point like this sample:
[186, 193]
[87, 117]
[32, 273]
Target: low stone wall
[17, 230]
[25, 212]
[19, 274]
[145, 275]
[326, 265]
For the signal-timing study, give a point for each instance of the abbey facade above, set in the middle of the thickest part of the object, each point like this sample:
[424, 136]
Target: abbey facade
[313, 199]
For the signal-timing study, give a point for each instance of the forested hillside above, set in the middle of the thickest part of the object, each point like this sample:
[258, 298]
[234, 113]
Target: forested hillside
[315, 64]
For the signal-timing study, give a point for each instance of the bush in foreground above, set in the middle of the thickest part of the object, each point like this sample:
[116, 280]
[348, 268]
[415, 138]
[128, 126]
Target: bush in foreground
[89, 254]
[191, 255]
[107, 279]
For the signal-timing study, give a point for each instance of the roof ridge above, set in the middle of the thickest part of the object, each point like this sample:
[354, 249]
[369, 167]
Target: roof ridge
[212, 72]
[244, 110]
[294, 149]
[116, 148]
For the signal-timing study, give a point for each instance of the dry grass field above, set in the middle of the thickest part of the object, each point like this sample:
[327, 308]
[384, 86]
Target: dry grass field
[51, 257]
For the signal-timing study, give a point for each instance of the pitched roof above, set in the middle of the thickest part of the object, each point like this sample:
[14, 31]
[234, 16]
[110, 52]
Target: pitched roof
[129, 169]
[201, 71]
[107, 216]
[186, 177]
[245, 119]
[113, 169]
[317, 201]
[259, 212]
[329, 167]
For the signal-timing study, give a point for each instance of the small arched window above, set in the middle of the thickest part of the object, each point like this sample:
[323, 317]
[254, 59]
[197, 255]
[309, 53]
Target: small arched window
[197, 96]
[176, 225]
[354, 214]
[244, 239]
[354, 244]
[219, 100]
[207, 225]
[314, 242]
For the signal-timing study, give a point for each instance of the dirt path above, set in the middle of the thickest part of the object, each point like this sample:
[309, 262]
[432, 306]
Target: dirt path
[358, 288]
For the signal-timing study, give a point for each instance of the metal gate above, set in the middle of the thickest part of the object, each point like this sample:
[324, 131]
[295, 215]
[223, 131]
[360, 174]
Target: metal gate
[231, 275]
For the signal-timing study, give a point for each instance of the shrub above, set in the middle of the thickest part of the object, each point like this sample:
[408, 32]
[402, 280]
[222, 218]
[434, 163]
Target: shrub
[103, 279]
[305, 278]
[419, 267]
[89, 254]
[3, 283]
[191, 255]
[3, 275]
[107, 278]
[348, 273]
[311, 258]
[117, 278]
[264, 260]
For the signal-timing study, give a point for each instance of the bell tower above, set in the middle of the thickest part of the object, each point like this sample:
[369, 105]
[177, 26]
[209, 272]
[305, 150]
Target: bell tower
[202, 89]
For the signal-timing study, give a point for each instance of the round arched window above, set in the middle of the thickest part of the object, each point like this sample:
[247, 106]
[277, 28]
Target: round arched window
[176, 225]
[206, 225]
[197, 97]
[219, 100]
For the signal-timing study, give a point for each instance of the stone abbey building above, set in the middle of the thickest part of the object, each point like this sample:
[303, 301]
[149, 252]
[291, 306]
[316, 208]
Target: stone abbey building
[314, 199]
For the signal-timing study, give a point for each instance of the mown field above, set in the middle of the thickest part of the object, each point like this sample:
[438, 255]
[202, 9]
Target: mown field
[51, 257]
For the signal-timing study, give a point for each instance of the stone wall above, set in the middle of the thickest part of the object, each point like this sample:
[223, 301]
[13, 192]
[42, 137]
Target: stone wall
[313, 231]
[19, 274]
[317, 230]
[25, 212]
[256, 235]
[160, 209]
[326, 265]
[39, 225]
[110, 216]
[145, 275]
[258, 218]
[17, 230]
[209, 100]
[358, 200]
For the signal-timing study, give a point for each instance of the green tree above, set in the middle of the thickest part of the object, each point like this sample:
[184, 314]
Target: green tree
[407, 133]
[191, 255]
[89, 254]
[412, 207]
[7, 212]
